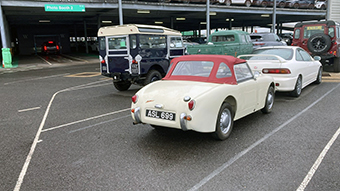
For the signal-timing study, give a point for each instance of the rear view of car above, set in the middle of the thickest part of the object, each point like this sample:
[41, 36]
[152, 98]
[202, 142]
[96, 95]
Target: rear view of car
[266, 39]
[320, 38]
[50, 47]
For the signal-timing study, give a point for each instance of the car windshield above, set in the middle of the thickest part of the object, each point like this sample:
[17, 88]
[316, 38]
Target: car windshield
[285, 53]
[193, 68]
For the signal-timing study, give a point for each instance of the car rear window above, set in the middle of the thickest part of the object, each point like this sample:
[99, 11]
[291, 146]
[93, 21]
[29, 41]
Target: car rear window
[285, 53]
[310, 30]
[193, 68]
[224, 38]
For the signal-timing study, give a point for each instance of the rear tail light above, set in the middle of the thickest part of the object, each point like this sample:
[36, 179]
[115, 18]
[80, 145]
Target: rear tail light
[50, 42]
[187, 117]
[103, 61]
[134, 62]
[332, 52]
[191, 104]
[134, 98]
[259, 44]
[57, 47]
[45, 48]
[276, 71]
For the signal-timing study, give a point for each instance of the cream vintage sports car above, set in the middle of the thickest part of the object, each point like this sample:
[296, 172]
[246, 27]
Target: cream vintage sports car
[291, 67]
[204, 93]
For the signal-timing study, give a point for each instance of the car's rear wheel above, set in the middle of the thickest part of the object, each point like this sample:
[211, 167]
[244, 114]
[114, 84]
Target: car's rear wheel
[296, 6]
[264, 4]
[224, 123]
[153, 75]
[319, 77]
[122, 85]
[298, 88]
[269, 100]
[282, 4]
[248, 3]
[319, 43]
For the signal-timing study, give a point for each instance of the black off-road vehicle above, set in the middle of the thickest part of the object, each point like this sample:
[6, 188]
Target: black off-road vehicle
[320, 38]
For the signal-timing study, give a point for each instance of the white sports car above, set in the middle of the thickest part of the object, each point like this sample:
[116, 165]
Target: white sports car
[204, 93]
[291, 67]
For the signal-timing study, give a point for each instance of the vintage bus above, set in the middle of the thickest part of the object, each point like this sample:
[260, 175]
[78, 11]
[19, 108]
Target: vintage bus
[137, 54]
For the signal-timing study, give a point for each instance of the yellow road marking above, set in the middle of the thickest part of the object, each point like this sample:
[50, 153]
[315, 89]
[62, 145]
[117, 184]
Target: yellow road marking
[84, 74]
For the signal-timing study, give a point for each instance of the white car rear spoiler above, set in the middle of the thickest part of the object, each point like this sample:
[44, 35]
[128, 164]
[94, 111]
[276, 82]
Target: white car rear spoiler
[268, 56]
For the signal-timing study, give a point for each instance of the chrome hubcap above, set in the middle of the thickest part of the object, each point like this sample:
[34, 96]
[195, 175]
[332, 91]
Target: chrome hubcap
[270, 100]
[225, 121]
[299, 85]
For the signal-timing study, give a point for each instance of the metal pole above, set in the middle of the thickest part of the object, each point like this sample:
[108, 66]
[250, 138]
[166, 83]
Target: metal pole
[120, 9]
[208, 19]
[328, 9]
[2, 29]
[274, 17]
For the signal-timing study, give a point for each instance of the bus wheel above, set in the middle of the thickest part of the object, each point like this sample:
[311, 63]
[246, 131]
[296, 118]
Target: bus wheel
[122, 85]
[153, 75]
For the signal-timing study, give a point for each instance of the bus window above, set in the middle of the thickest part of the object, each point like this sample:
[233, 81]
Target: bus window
[176, 42]
[133, 41]
[117, 43]
[152, 41]
[101, 43]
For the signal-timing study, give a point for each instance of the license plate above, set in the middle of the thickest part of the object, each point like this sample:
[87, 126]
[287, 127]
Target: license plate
[104, 69]
[134, 68]
[160, 115]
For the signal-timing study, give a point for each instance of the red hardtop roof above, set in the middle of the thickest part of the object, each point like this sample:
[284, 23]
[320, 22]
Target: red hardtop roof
[230, 61]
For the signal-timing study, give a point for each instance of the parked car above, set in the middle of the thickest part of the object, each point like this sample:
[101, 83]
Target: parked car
[266, 39]
[247, 3]
[297, 4]
[320, 38]
[291, 67]
[137, 54]
[50, 47]
[188, 42]
[321, 4]
[287, 37]
[187, 1]
[203, 93]
[266, 3]
[224, 42]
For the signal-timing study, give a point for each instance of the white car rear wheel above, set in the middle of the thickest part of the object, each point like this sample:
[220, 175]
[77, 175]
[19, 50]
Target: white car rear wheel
[298, 88]
[319, 77]
[225, 122]
[269, 100]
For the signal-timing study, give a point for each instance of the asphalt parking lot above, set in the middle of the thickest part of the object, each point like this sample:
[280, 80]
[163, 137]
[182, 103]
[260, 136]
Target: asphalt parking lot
[64, 127]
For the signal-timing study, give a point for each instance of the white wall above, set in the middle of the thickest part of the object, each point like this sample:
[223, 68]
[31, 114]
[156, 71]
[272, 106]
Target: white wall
[333, 12]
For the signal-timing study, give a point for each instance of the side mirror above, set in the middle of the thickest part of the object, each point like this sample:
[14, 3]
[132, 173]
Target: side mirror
[317, 58]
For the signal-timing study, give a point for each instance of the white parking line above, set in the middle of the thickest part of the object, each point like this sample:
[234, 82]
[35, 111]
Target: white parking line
[83, 128]
[29, 109]
[49, 63]
[36, 139]
[318, 162]
[242, 153]
[83, 120]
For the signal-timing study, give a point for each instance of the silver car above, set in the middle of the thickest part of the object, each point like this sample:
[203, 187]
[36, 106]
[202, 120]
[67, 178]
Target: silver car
[266, 39]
